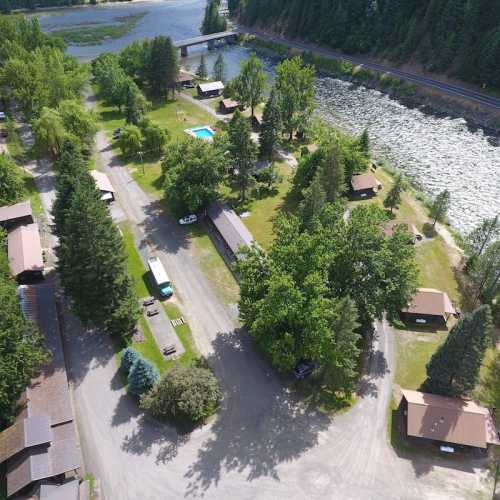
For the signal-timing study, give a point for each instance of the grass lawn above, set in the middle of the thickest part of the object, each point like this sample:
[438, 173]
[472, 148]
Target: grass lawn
[263, 209]
[413, 351]
[32, 193]
[213, 266]
[148, 348]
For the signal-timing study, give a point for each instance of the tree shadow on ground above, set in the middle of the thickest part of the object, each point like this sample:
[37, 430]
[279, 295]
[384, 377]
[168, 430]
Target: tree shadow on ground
[261, 423]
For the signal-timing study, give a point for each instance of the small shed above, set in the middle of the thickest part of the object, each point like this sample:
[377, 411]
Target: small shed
[390, 227]
[230, 228]
[229, 106]
[103, 185]
[365, 185]
[25, 253]
[185, 80]
[448, 420]
[429, 306]
[15, 215]
[212, 89]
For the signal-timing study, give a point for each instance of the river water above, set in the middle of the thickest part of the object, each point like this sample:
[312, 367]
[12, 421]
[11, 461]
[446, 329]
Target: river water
[436, 152]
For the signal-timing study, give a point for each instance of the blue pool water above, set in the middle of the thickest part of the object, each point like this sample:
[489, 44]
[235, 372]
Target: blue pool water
[203, 133]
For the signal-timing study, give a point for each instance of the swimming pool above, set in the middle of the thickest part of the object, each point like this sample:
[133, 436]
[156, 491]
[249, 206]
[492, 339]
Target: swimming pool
[206, 133]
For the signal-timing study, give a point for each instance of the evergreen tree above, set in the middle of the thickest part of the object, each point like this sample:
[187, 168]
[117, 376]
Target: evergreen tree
[482, 236]
[202, 71]
[11, 181]
[364, 142]
[313, 202]
[490, 383]
[71, 170]
[219, 70]
[394, 196]
[250, 84]
[21, 346]
[92, 264]
[142, 377]
[485, 273]
[129, 357]
[332, 173]
[271, 126]
[163, 66]
[212, 21]
[243, 152]
[439, 207]
[454, 368]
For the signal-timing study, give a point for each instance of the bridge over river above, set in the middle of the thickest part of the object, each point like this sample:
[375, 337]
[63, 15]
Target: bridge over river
[229, 36]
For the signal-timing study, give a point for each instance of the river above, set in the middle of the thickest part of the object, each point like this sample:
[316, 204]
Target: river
[436, 152]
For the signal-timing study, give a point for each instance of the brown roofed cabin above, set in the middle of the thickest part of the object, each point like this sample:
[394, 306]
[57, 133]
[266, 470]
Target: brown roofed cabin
[449, 420]
[212, 89]
[185, 80]
[230, 228]
[390, 227]
[25, 253]
[104, 185]
[15, 215]
[429, 306]
[365, 185]
[230, 106]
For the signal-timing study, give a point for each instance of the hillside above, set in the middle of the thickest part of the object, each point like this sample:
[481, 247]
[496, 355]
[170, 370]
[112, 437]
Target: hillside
[457, 37]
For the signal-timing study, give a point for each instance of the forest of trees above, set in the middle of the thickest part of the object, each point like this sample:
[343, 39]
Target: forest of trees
[458, 37]
[7, 6]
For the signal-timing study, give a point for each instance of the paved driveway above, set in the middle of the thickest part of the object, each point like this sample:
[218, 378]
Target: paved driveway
[264, 443]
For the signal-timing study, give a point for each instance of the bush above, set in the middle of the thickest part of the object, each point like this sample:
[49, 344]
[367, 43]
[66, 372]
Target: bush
[184, 393]
[129, 357]
[142, 377]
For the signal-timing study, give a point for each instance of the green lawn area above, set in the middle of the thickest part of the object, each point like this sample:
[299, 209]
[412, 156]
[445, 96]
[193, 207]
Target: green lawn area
[148, 348]
[213, 266]
[413, 351]
[263, 209]
[32, 193]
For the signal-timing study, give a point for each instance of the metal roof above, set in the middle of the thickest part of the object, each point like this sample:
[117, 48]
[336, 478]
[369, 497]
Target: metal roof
[429, 301]
[230, 227]
[210, 87]
[45, 461]
[25, 249]
[66, 491]
[102, 181]
[26, 432]
[17, 211]
[452, 420]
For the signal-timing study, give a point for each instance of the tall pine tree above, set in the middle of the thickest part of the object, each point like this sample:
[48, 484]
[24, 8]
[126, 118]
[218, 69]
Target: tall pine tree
[454, 368]
[271, 126]
[92, 264]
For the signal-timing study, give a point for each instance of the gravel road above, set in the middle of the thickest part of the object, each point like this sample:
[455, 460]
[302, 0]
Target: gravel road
[264, 444]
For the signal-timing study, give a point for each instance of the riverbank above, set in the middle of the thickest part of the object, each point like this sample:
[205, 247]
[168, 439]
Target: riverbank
[86, 3]
[427, 95]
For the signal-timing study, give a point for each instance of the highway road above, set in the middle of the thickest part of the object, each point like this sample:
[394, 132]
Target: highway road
[481, 98]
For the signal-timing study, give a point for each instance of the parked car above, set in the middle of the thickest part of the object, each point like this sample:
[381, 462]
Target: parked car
[189, 219]
[117, 133]
[303, 369]
[2, 115]
[152, 312]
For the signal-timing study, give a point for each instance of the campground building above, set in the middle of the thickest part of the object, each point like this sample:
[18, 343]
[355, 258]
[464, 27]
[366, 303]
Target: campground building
[104, 185]
[230, 232]
[365, 185]
[448, 420]
[25, 253]
[228, 106]
[39, 452]
[429, 306]
[212, 89]
[185, 80]
[15, 215]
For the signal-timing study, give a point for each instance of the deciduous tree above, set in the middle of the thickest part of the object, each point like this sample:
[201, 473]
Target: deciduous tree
[11, 181]
[250, 84]
[394, 196]
[439, 207]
